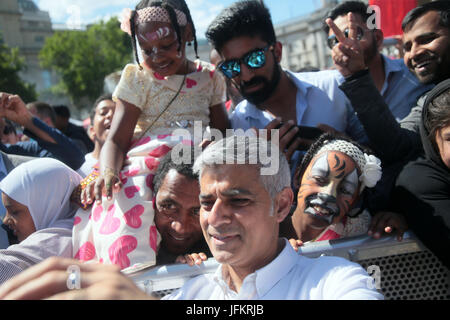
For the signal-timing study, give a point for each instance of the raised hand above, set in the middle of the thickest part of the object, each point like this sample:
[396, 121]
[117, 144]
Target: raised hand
[347, 54]
[13, 108]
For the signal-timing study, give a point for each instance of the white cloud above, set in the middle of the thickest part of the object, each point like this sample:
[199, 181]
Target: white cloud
[88, 11]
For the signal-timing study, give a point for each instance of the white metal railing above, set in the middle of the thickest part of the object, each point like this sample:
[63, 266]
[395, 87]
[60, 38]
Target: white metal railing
[166, 278]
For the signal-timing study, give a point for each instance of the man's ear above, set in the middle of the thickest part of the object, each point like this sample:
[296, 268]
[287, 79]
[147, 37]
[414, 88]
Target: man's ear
[91, 132]
[278, 51]
[379, 38]
[284, 202]
[297, 178]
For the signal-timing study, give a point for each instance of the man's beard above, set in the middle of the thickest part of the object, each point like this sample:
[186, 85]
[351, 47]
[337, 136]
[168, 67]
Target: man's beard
[266, 91]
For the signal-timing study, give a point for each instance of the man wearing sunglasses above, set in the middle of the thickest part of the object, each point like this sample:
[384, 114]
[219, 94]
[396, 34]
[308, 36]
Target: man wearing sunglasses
[396, 140]
[244, 37]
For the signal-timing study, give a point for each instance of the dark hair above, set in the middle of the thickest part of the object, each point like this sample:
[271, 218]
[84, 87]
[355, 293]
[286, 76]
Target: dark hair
[9, 127]
[437, 113]
[44, 110]
[443, 7]
[169, 6]
[96, 103]
[357, 7]
[167, 164]
[62, 111]
[244, 18]
[317, 145]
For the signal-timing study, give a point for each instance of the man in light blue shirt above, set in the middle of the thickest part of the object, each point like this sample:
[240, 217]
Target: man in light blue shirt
[313, 107]
[400, 90]
[245, 39]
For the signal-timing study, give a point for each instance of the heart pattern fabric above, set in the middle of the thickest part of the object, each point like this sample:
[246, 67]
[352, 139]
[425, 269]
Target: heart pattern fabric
[122, 231]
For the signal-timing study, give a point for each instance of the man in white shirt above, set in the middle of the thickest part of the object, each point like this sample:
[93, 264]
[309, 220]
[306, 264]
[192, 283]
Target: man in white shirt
[241, 208]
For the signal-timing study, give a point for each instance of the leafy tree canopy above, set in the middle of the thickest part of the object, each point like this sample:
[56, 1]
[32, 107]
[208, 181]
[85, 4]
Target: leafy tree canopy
[11, 63]
[84, 58]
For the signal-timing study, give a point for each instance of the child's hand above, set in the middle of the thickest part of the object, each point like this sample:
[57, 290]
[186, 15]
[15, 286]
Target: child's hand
[106, 184]
[191, 259]
[295, 243]
[387, 222]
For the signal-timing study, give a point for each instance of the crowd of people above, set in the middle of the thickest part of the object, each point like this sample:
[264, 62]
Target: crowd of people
[363, 148]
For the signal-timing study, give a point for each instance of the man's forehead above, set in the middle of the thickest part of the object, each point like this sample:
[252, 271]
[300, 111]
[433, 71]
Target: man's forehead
[230, 177]
[342, 21]
[429, 22]
[235, 48]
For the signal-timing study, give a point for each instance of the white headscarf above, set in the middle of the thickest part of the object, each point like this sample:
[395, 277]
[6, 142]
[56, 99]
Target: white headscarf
[44, 186]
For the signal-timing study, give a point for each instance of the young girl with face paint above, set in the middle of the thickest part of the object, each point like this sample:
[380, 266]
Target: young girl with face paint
[331, 179]
[163, 92]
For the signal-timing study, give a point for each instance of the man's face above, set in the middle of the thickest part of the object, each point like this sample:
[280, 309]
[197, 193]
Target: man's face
[368, 41]
[427, 49]
[443, 143]
[104, 113]
[255, 85]
[329, 188]
[177, 212]
[236, 217]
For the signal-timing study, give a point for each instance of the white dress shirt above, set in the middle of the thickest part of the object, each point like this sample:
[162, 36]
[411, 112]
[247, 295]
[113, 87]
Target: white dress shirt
[289, 276]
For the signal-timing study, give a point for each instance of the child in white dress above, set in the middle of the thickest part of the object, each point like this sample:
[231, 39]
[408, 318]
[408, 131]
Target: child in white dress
[164, 93]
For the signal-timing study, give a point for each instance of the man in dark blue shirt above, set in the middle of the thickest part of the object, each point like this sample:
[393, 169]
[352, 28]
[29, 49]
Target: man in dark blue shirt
[45, 141]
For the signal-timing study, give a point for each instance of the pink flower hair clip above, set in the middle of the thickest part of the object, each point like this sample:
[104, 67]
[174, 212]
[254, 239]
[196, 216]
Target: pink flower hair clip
[125, 20]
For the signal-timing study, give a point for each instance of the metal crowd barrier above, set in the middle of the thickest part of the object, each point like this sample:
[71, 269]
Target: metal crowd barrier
[404, 270]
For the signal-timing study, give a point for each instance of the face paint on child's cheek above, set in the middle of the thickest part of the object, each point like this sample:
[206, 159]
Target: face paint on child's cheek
[328, 188]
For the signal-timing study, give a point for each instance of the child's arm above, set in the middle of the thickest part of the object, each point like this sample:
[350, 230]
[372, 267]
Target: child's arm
[218, 118]
[116, 145]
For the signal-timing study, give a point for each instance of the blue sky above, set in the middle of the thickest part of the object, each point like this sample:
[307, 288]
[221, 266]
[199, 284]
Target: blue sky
[203, 11]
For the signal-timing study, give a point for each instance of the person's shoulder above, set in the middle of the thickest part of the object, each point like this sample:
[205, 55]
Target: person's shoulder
[322, 77]
[11, 160]
[203, 66]
[422, 176]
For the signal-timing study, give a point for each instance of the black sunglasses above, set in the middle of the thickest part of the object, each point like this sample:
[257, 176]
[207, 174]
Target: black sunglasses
[332, 40]
[255, 59]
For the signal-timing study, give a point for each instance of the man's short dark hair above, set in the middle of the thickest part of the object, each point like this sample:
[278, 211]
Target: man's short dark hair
[168, 164]
[243, 18]
[441, 6]
[96, 103]
[356, 7]
[44, 110]
[62, 111]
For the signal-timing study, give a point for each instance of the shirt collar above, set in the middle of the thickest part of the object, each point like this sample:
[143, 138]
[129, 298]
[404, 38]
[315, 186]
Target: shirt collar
[3, 166]
[252, 111]
[266, 277]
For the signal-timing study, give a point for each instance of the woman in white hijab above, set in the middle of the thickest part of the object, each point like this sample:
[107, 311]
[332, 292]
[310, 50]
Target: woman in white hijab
[36, 196]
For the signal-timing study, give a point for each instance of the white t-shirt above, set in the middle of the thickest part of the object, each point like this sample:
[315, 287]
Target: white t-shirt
[86, 168]
[290, 276]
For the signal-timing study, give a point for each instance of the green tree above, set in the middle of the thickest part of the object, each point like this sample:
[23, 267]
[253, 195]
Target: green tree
[84, 58]
[11, 63]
